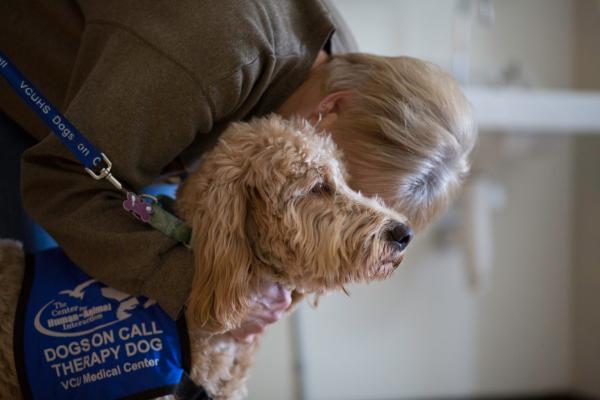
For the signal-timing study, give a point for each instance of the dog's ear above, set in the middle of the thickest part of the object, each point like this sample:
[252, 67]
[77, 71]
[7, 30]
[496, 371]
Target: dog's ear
[223, 279]
[222, 282]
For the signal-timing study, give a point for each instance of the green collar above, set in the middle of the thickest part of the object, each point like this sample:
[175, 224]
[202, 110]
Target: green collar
[164, 220]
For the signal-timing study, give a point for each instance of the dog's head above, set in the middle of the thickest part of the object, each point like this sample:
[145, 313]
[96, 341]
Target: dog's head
[270, 201]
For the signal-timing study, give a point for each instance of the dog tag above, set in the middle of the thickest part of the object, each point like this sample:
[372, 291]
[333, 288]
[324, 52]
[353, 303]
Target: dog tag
[138, 207]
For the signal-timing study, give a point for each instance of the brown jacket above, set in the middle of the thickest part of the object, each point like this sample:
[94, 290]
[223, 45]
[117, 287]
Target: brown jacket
[147, 82]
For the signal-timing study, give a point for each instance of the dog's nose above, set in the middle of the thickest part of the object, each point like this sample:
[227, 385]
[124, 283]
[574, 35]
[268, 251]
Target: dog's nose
[401, 235]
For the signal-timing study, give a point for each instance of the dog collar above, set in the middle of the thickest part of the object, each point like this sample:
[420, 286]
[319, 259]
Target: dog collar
[158, 212]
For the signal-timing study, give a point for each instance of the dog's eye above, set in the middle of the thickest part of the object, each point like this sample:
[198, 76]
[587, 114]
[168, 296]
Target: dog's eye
[321, 188]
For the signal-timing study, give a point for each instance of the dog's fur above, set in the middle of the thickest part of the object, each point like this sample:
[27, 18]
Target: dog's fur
[270, 201]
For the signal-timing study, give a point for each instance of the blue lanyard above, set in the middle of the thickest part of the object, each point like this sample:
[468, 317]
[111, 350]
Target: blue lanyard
[96, 162]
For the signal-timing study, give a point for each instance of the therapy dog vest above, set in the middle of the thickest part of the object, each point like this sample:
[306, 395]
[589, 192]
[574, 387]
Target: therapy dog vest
[76, 338]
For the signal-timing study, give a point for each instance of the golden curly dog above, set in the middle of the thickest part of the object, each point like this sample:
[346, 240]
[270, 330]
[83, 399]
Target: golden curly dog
[270, 201]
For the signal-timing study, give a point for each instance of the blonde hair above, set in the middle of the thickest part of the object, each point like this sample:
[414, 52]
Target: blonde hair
[408, 121]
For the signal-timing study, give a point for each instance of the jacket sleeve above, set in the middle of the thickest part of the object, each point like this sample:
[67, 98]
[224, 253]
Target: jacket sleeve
[142, 109]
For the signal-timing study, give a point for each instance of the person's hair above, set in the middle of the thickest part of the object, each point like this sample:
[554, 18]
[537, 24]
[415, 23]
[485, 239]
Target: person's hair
[407, 128]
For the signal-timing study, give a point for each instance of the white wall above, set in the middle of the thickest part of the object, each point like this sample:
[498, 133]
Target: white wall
[272, 375]
[586, 211]
[586, 285]
[423, 332]
[536, 34]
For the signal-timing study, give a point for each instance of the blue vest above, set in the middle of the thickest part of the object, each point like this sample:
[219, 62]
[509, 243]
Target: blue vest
[76, 338]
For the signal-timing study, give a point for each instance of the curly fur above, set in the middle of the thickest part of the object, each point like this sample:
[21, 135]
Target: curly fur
[11, 275]
[270, 201]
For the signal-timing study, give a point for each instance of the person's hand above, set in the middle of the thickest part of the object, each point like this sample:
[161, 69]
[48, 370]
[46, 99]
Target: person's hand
[266, 307]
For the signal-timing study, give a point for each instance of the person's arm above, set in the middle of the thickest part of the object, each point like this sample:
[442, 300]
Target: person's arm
[141, 109]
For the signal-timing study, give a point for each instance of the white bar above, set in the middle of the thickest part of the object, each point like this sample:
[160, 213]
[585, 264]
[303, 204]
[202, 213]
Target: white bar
[535, 110]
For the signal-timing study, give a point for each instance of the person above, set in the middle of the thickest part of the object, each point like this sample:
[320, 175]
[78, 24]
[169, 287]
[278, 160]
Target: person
[154, 84]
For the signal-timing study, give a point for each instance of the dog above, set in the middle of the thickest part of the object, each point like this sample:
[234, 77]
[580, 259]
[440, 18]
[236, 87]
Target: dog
[269, 202]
